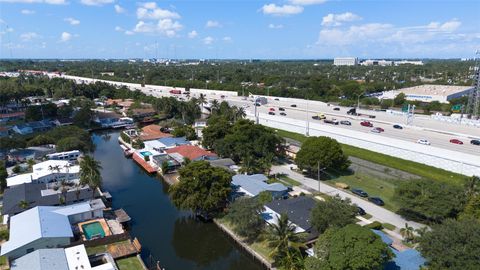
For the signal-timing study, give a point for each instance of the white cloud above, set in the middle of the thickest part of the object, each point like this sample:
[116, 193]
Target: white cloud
[29, 36]
[275, 26]
[337, 19]
[119, 9]
[166, 27]
[150, 11]
[227, 39]
[192, 34]
[212, 24]
[208, 40]
[96, 2]
[128, 32]
[119, 29]
[65, 36]
[72, 21]
[273, 9]
[307, 2]
[51, 2]
[27, 12]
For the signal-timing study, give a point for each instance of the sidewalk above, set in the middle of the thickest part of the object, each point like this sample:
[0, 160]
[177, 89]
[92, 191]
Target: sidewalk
[379, 213]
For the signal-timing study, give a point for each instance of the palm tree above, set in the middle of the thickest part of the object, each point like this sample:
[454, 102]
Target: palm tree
[286, 243]
[215, 106]
[407, 233]
[23, 204]
[90, 173]
[240, 113]
[202, 100]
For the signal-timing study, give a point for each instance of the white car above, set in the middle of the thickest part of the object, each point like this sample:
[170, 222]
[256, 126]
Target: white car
[423, 141]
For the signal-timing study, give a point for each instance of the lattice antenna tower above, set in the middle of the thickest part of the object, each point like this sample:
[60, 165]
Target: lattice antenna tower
[473, 105]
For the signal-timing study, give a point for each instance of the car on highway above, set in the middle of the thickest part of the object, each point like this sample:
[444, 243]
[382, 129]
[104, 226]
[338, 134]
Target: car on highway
[377, 201]
[277, 99]
[346, 123]
[271, 113]
[377, 130]
[272, 109]
[359, 192]
[423, 141]
[366, 124]
[331, 121]
[361, 211]
[397, 127]
[456, 141]
[258, 104]
[336, 109]
[281, 109]
[475, 142]
[283, 114]
[293, 105]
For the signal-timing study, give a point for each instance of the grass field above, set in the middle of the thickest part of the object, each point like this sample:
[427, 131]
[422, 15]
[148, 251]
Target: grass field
[130, 263]
[289, 181]
[419, 169]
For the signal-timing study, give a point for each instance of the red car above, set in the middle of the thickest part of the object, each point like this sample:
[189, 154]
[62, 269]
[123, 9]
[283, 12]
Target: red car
[456, 141]
[366, 124]
[272, 109]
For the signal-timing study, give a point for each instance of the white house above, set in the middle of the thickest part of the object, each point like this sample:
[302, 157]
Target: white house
[69, 155]
[47, 172]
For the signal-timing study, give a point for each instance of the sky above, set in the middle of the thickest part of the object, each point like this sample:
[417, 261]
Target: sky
[229, 29]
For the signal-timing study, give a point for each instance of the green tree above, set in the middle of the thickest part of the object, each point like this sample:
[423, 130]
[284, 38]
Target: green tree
[186, 131]
[202, 188]
[90, 173]
[41, 139]
[71, 143]
[244, 215]
[333, 212]
[407, 233]
[399, 99]
[217, 128]
[452, 245]
[428, 200]
[323, 151]
[23, 204]
[16, 169]
[165, 167]
[264, 197]
[3, 176]
[351, 247]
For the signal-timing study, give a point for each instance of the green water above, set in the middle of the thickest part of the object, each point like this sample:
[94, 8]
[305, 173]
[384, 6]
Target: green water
[93, 230]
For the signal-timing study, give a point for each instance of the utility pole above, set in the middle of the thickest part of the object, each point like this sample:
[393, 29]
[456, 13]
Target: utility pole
[473, 105]
[307, 131]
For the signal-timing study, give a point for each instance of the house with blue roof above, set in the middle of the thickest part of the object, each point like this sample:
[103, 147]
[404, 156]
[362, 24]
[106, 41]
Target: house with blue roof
[170, 142]
[252, 185]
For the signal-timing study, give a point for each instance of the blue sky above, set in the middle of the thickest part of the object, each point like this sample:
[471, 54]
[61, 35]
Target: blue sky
[284, 29]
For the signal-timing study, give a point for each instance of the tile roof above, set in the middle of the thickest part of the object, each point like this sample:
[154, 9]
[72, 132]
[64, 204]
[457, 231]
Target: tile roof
[152, 132]
[191, 152]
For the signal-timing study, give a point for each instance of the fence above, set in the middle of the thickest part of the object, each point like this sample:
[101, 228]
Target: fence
[102, 241]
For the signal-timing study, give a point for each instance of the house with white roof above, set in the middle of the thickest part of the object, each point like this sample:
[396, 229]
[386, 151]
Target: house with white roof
[252, 185]
[47, 172]
[47, 227]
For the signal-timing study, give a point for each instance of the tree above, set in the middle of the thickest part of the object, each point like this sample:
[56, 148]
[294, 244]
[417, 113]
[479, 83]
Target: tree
[23, 204]
[429, 201]
[333, 212]
[186, 131]
[3, 176]
[244, 214]
[217, 128]
[264, 197]
[452, 245]
[202, 188]
[351, 247]
[399, 99]
[286, 243]
[90, 173]
[407, 233]
[323, 151]
[71, 143]
[165, 167]
[41, 139]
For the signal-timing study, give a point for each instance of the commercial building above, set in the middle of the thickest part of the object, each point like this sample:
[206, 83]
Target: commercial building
[429, 93]
[371, 62]
[345, 61]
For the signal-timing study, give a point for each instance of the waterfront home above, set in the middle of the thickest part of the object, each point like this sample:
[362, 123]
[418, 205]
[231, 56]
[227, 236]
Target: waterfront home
[71, 156]
[106, 119]
[50, 171]
[31, 127]
[145, 158]
[173, 164]
[63, 121]
[72, 258]
[165, 143]
[19, 198]
[252, 185]
[47, 227]
[298, 210]
[140, 113]
[193, 153]
[33, 152]
[225, 163]
[152, 132]
[124, 104]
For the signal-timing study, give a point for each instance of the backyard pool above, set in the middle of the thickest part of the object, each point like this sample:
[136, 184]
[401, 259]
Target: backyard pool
[93, 230]
[146, 153]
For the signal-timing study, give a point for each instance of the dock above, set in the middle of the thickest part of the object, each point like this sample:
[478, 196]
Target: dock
[149, 168]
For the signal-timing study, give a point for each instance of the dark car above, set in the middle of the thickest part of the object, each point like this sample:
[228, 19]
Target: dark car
[475, 142]
[258, 104]
[456, 141]
[281, 109]
[283, 114]
[277, 99]
[366, 124]
[271, 113]
[336, 109]
[397, 127]
[346, 123]
[359, 192]
[293, 105]
[376, 201]
[361, 212]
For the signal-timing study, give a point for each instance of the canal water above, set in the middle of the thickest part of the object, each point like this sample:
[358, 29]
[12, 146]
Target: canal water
[171, 236]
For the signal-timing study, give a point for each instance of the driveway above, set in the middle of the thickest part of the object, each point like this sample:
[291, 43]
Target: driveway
[378, 213]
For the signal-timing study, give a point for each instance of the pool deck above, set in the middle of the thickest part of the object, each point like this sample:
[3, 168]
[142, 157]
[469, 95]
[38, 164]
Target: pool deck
[102, 222]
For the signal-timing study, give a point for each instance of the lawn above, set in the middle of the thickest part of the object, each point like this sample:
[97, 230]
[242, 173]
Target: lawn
[130, 263]
[3, 261]
[419, 169]
[289, 181]
[96, 249]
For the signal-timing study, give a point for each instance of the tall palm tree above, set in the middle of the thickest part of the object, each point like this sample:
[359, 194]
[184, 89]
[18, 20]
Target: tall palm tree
[407, 233]
[90, 173]
[286, 243]
[215, 106]
[202, 100]
[240, 113]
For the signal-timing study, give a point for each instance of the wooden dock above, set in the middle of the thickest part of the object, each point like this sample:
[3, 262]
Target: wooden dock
[124, 249]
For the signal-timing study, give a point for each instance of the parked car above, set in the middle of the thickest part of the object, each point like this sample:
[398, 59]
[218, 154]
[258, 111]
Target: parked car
[475, 142]
[366, 124]
[346, 123]
[359, 192]
[281, 109]
[271, 113]
[376, 201]
[283, 114]
[272, 109]
[397, 127]
[336, 109]
[361, 211]
[423, 141]
[456, 141]
[293, 105]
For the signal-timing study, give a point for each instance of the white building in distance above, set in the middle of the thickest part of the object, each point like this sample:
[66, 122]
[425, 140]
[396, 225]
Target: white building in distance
[371, 62]
[345, 61]
[429, 93]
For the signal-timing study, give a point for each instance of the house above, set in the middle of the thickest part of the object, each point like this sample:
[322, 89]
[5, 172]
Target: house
[72, 258]
[141, 113]
[63, 121]
[47, 227]
[291, 151]
[38, 194]
[106, 119]
[170, 142]
[50, 171]
[122, 103]
[22, 129]
[33, 152]
[405, 259]
[198, 126]
[252, 185]
[193, 153]
[68, 155]
[31, 127]
[152, 132]
[298, 210]
[225, 163]
[172, 163]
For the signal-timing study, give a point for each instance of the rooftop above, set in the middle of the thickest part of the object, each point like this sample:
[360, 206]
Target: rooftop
[191, 152]
[431, 89]
[43, 169]
[152, 132]
[173, 141]
[42, 259]
[252, 185]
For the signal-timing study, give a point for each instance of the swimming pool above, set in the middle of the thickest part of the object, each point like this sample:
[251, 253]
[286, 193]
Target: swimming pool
[93, 230]
[146, 153]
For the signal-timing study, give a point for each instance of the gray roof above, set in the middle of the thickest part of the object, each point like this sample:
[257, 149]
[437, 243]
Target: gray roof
[256, 183]
[298, 210]
[32, 193]
[225, 163]
[42, 259]
[173, 141]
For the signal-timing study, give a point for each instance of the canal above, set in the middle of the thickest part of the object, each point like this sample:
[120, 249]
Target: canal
[171, 236]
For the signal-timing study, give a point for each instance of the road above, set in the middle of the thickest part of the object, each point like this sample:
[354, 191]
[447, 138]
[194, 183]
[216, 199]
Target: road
[378, 213]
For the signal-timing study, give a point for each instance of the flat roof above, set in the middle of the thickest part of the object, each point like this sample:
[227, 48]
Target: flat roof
[42, 259]
[431, 89]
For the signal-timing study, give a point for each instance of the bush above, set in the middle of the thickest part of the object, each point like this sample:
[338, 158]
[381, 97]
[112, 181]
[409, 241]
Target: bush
[374, 226]
[125, 137]
[4, 234]
[16, 169]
